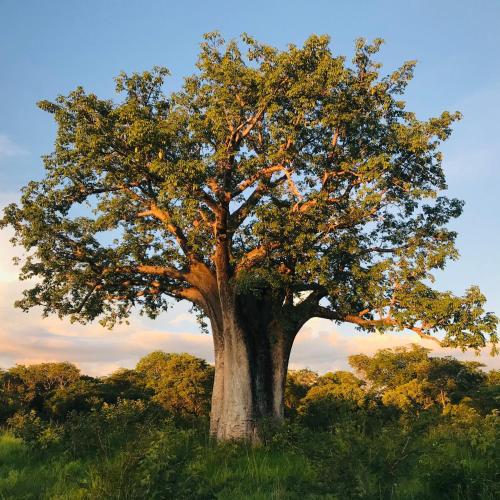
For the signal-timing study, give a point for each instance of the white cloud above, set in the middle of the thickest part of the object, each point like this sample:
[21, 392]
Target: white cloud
[8, 271]
[322, 347]
[9, 148]
[183, 318]
[27, 338]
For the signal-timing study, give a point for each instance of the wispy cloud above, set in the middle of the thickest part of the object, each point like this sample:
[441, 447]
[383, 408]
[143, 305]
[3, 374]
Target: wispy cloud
[182, 319]
[27, 338]
[9, 148]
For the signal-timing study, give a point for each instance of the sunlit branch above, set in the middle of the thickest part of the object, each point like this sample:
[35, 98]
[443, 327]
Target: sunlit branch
[386, 322]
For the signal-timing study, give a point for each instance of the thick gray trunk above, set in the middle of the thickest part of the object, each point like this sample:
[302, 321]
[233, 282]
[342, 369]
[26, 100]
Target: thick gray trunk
[250, 373]
[218, 388]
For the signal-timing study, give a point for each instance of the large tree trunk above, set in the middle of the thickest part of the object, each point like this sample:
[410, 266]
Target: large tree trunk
[251, 360]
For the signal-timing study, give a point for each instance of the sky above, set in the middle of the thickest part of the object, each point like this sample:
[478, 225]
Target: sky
[49, 48]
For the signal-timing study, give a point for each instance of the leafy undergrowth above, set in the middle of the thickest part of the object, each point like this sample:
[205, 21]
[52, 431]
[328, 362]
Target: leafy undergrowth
[452, 456]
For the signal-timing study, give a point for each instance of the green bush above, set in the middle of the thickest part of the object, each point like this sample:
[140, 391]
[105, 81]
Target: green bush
[36, 433]
[105, 428]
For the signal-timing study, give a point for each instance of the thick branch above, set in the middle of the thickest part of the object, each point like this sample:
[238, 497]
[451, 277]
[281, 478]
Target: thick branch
[165, 217]
[263, 173]
[167, 271]
[255, 256]
[323, 312]
[247, 126]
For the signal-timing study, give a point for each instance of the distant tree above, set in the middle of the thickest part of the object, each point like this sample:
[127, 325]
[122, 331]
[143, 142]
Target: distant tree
[298, 382]
[390, 368]
[46, 376]
[152, 366]
[182, 383]
[451, 379]
[334, 395]
[412, 396]
[493, 377]
[124, 384]
[409, 379]
[30, 387]
[487, 397]
[80, 396]
[274, 187]
[6, 401]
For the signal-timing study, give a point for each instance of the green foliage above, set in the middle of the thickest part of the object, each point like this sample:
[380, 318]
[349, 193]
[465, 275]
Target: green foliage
[36, 433]
[24, 475]
[409, 379]
[182, 383]
[51, 389]
[105, 428]
[391, 367]
[179, 383]
[163, 468]
[341, 441]
[334, 396]
[124, 384]
[298, 382]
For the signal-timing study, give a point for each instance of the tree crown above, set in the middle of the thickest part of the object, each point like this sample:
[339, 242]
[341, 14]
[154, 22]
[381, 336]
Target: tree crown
[290, 174]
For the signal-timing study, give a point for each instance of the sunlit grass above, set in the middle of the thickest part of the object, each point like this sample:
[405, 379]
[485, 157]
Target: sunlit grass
[24, 475]
[164, 460]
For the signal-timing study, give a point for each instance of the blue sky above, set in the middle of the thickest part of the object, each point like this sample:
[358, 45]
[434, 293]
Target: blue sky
[48, 48]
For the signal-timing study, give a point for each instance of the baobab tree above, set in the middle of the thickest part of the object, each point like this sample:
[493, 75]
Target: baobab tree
[274, 187]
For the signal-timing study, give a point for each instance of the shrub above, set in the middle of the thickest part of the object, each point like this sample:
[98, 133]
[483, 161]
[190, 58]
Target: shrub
[37, 434]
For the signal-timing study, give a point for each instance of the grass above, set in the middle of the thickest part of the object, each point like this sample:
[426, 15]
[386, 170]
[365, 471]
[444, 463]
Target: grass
[224, 472]
[164, 460]
[257, 473]
[24, 477]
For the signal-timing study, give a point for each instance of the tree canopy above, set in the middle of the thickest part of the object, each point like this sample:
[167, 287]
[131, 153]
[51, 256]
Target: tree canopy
[407, 377]
[293, 174]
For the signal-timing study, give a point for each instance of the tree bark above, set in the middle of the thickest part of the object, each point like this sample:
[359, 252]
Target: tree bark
[251, 361]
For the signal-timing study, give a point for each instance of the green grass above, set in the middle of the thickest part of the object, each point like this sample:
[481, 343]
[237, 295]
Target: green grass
[223, 472]
[164, 460]
[22, 476]
[259, 473]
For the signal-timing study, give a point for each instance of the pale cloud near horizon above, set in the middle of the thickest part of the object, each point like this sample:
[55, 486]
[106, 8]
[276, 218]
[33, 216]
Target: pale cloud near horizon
[324, 347]
[9, 148]
[27, 339]
[183, 318]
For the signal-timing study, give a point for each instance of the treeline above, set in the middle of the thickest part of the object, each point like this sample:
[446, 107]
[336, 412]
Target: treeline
[399, 381]
[402, 424]
[179, 383]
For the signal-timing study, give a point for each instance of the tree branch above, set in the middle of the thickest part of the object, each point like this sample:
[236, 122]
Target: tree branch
[254, 256]
[357, 319]
[167, 271]
[265, 172]
[165, 217]
[242, 212]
